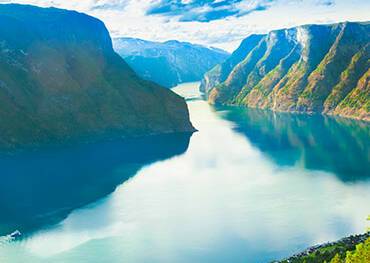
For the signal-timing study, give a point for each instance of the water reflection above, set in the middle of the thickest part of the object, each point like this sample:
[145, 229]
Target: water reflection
[336, 145]
[222, 201]
[43, 187]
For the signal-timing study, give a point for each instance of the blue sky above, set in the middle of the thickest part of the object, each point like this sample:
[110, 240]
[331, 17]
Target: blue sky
[220, 23]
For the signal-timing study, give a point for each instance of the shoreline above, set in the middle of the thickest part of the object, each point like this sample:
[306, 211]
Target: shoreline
[331, 248]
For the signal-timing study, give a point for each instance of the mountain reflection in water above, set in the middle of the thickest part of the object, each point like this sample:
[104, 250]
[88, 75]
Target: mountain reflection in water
[43, 187]
[337, 145]
[247, 189]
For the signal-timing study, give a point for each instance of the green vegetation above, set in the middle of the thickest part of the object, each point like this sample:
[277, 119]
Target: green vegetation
[353, 249]
[314, 68]
[348, 79]
[63, 82]
[221, 72]
[340, 252]
[360, 255]
[357, 102]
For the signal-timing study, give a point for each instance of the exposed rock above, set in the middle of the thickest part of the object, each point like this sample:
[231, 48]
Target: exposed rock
[311, 69]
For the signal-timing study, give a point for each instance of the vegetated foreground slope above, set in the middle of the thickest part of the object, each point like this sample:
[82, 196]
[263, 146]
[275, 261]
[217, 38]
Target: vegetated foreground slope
[61, 80]
[352, 249]
[311, 68]
[168, 63]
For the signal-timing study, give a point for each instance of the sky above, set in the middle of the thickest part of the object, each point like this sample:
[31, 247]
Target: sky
[218, 23]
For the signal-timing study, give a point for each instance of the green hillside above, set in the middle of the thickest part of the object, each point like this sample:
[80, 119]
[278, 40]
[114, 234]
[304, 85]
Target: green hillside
[312, 69]
[60, 80]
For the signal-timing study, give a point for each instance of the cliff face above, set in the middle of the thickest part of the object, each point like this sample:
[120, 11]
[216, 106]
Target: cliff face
[168, 63]
[61, 80]
[220, 72]
[313, 68]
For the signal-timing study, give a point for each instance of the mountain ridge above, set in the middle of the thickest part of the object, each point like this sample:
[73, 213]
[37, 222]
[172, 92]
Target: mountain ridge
[309, 68]
[170, 62]
[62, 81]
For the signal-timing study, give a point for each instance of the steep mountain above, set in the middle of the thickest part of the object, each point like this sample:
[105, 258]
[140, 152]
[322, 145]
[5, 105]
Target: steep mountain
[221, 71]
[310, 68]
[60, 80]
[168, 63]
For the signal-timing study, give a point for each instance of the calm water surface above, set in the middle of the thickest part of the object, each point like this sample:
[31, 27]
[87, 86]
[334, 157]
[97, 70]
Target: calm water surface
[250, 186]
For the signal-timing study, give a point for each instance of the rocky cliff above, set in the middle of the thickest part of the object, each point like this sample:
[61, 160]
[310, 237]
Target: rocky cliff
[311, 69]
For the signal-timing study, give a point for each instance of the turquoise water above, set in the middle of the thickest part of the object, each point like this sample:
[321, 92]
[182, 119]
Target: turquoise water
[249, 186]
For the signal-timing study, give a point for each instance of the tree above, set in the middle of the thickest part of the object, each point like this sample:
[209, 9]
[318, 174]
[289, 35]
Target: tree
[361, 254]
[336, 259]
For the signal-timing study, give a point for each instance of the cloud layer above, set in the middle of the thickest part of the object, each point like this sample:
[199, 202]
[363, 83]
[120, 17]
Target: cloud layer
[220, 23]
[206, 10]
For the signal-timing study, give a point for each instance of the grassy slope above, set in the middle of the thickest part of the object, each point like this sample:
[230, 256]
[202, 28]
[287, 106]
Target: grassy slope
[63, 81]
[357, 103]
[227, 92]
[348, 79]
[349, 41]
[220, 72]
[318, 74]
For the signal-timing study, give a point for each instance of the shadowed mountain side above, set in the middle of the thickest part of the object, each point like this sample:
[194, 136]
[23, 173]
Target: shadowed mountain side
[41, 188]
[313, 142]
[61, 80]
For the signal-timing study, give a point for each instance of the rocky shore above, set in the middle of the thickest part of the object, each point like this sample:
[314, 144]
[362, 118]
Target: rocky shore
[326, 251]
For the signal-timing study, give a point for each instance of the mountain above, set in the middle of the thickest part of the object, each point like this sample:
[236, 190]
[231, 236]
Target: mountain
[60, 80]
[168, 63]
[310, 68]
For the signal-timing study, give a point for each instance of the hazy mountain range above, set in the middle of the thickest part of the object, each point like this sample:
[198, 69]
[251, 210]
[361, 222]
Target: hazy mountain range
[311, 68]
[168, 63]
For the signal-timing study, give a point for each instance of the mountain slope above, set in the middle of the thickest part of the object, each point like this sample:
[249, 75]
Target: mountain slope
[60, 80]
[168, 63]
[311, 68]
[221, 71]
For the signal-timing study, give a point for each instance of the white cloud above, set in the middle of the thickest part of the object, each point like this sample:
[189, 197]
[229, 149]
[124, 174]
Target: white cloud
[128, 18]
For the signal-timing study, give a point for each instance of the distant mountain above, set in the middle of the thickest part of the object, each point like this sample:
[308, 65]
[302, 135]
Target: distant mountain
[61, 80]
[311, 68]
[168, 63]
